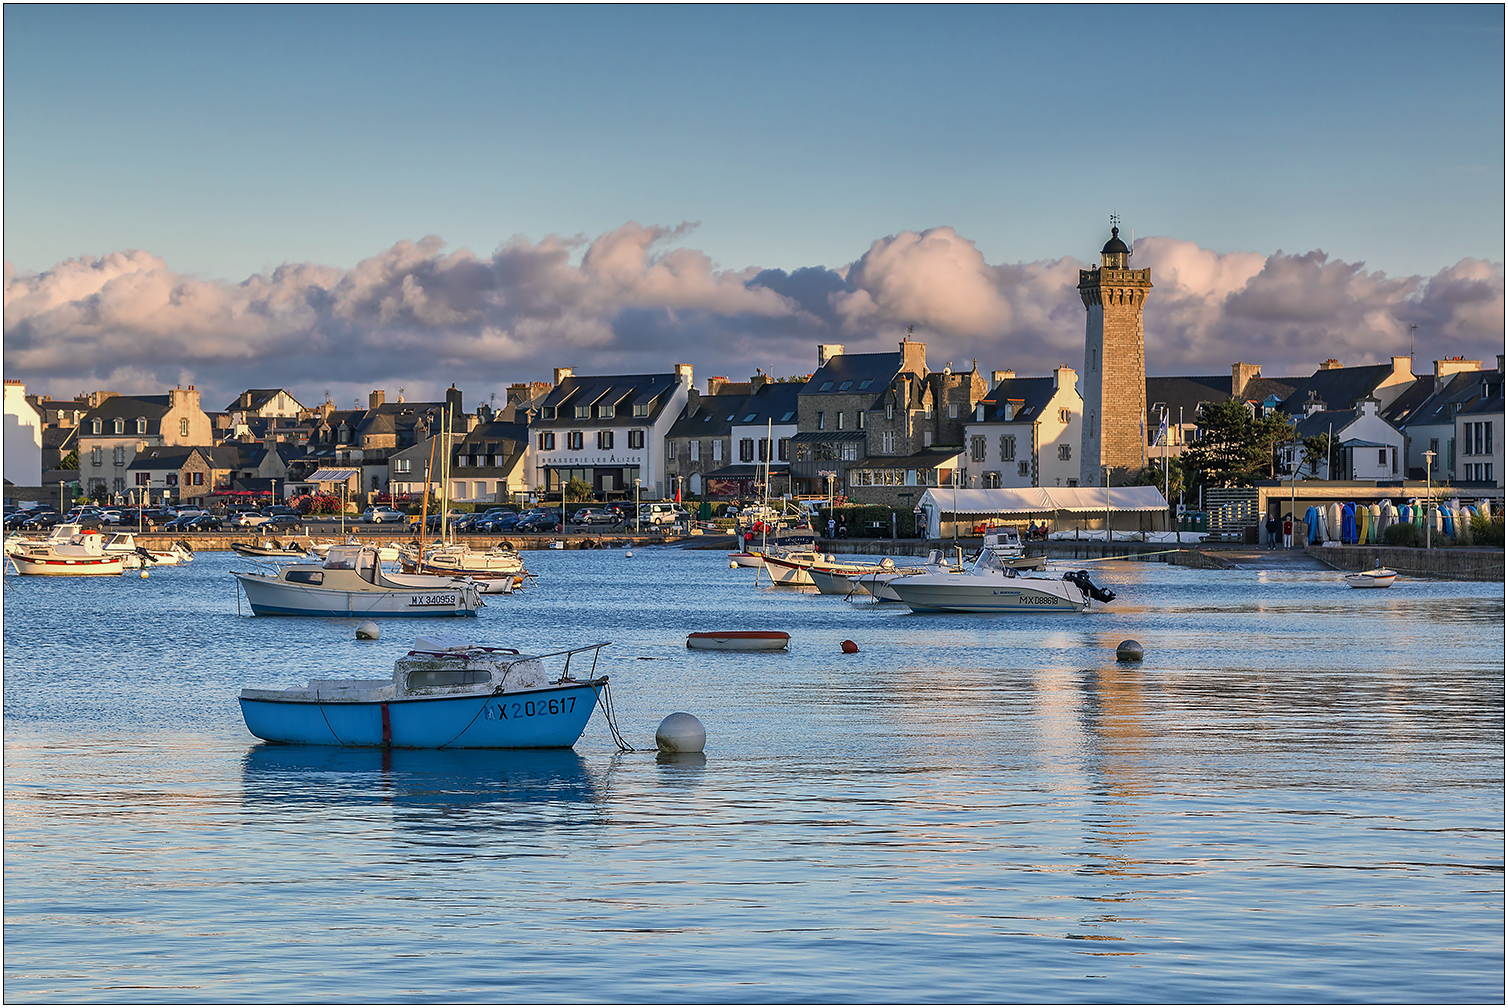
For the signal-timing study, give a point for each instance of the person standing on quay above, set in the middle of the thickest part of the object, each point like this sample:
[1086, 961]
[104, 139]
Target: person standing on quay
[1288, 531]
[832, 526]
[1274, 529]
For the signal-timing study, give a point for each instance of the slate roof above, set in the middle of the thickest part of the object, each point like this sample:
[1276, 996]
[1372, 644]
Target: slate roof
[1421, 405]
[711, 418]
[773, 402]
[1493, 405]
[259, 398]
[169, 457]
[865, 373]
[1028, 396]
[929, 459]
[622, 391]
[1337, 387]
[1324, 421]
[1185, 393]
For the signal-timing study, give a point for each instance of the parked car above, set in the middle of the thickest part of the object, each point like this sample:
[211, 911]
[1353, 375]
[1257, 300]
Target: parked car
[662, 514]
[503, 521]
[111, 516]
[157, 516]
[16, 519]
[542, 521]
[283, 521]
[379, 513]
[45, 520]
[248, 519]
[273, 510]
[594, 516]
[196, 523]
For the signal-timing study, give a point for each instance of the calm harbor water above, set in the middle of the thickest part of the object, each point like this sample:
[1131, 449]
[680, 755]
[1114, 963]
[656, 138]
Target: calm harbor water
[1298, 796]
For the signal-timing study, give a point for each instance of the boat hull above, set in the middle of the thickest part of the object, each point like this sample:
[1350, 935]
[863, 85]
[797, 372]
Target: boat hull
[962, 593]
[268, 597]
[538, 719]
[877, 585]
[784, 572]
[1371, 579]
[739, 640]
[68, 566]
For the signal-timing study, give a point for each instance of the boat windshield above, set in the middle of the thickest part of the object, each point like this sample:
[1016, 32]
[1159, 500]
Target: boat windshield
[343, 558]
[989, 561]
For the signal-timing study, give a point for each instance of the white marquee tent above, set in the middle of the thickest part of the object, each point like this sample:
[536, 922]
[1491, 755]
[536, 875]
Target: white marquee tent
[941, 504]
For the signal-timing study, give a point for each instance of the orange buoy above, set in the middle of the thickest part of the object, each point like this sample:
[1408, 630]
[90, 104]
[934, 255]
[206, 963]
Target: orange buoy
[849, 647]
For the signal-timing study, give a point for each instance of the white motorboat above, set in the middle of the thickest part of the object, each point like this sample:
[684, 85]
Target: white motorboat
[124, 544]
[270, 548]
[390, 553]
[351, 582]
[741, 559]
[70, 550]
[989, 585]
[877, 583]
[1377, 577]
[459, 558]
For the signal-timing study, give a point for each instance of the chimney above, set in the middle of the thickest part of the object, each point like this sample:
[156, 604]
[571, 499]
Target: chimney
[1403, 367]
[827, 351]
[1448, 366]
[1064, 376]
[996, 377]
[1500, 363]
[562, 373]
[246, 399]
[914, 357]
[715, 384]
[457, 411]
[759, 381]
[683, 374]
[377, 398]
[1314, 404]
[1240, 374]
[1330, 365]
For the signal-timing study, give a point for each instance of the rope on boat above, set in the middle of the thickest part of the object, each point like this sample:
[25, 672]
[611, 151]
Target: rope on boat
[605, 704]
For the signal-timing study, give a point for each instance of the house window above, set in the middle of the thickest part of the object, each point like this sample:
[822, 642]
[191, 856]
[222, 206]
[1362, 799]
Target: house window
[821, 421]
[783, 450]
[1023, 469]
[669, 447]
[717, 450]
[605, 440]
[764, 449]
[1487, 450]
[120, 484]
[696, 451]
[172, 479]
[141, 425]
[860, 416]
[849, 452]
[636, 439]
[120, 455]
[926, 439]
[1382, 456]
[1008, 448]
[1434, 446]
[927, 412]
[979, 412]
[607, 412]
[746, 450]
[976, 448]
[198, 478]
[546, 442]
[1065, 453]
[97, 456]
[183, 426]
[845, 386]
[840, 419]
[953, 410]
[890, 411]
[574, 440]
[143, 479]
[461, 490]
[547, 412]
[401, 465]
[887, 442]
[990, 480]
[120, 426]
[1072, 482]
[1064, 415]
[460, 461]
[94, 425]
[583, 412]
[641, 409]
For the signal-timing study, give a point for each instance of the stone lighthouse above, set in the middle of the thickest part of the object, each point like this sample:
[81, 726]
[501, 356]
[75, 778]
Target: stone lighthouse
[1115, 366]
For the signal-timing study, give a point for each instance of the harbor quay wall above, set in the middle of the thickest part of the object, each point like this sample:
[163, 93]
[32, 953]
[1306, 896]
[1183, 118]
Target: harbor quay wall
[1186, 556]
[1455, 564]
[213, 542]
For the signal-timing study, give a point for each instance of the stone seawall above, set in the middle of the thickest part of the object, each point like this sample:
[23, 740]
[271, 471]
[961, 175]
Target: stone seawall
[1186, 556]
[213, 542]
[1453, 564]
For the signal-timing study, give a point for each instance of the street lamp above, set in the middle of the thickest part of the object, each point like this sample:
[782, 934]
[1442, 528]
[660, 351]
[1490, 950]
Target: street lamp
[637, 526]
[1429, 494]
[1106, 470]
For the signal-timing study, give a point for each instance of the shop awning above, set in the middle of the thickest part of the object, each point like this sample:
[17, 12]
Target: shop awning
[331, 475]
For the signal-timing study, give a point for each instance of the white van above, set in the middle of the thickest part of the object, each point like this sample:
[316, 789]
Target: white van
[668, 513]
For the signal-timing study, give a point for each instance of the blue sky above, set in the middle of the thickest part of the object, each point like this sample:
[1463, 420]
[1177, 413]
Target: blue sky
[229, 139]
[231, 194]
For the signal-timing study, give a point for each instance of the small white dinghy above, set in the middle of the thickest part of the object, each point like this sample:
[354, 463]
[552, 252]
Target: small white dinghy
[739, 640]
[1378, 577]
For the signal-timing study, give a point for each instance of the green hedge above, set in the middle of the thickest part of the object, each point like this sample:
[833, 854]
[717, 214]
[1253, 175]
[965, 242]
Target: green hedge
[859, 516]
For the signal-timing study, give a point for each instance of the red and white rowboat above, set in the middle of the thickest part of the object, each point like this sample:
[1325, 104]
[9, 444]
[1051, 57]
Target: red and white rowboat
[739, 640]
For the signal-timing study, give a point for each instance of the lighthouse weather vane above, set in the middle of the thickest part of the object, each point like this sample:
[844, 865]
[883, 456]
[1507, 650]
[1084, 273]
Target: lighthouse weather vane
[1115, 220]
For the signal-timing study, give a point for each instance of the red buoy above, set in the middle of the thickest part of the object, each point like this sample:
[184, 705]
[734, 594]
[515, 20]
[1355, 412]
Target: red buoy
[849, 647]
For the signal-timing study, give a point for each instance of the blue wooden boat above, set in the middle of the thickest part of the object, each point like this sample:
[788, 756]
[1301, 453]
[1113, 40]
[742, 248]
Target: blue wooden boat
[441, 695]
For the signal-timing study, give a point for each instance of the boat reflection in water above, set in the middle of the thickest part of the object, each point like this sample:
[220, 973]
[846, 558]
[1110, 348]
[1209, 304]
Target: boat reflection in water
[424, 779]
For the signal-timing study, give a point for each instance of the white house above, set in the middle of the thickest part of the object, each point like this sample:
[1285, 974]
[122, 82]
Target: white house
[1479, 434]
[607, 431]
[1025, 433]
[23, 437]
[1372, 448]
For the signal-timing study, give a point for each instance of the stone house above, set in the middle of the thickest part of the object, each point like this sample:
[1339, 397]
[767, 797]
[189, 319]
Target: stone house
[1025, 433]
[113, 431]
[490, 463]
[724, 441]
[1479, 435]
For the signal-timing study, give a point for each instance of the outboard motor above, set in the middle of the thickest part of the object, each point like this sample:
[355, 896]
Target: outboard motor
[1081, 578]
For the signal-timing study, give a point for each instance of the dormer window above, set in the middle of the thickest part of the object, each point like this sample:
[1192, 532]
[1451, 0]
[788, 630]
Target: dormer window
[979, 412]
[141, 425]
[845, 386]
[583, 412]
[547, 412]
[750, 417]
[865, 384]
[825, 386]
[606, 412]
[120, 425]
[641, 409]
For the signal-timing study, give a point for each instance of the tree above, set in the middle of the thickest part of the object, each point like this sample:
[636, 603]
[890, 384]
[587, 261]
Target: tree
[100, 495]
[1316, 448]
[577, 490]
[1151, 475]
[70, 461]
[1233, 447]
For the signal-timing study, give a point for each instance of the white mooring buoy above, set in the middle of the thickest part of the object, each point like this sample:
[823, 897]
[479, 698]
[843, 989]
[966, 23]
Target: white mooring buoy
[1128, 650]
[367, 630]
[733, 564]
[629, 554]
[143, 573]
[680, 732]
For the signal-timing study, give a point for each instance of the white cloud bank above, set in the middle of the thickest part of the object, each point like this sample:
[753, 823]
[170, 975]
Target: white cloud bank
[637, 299]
